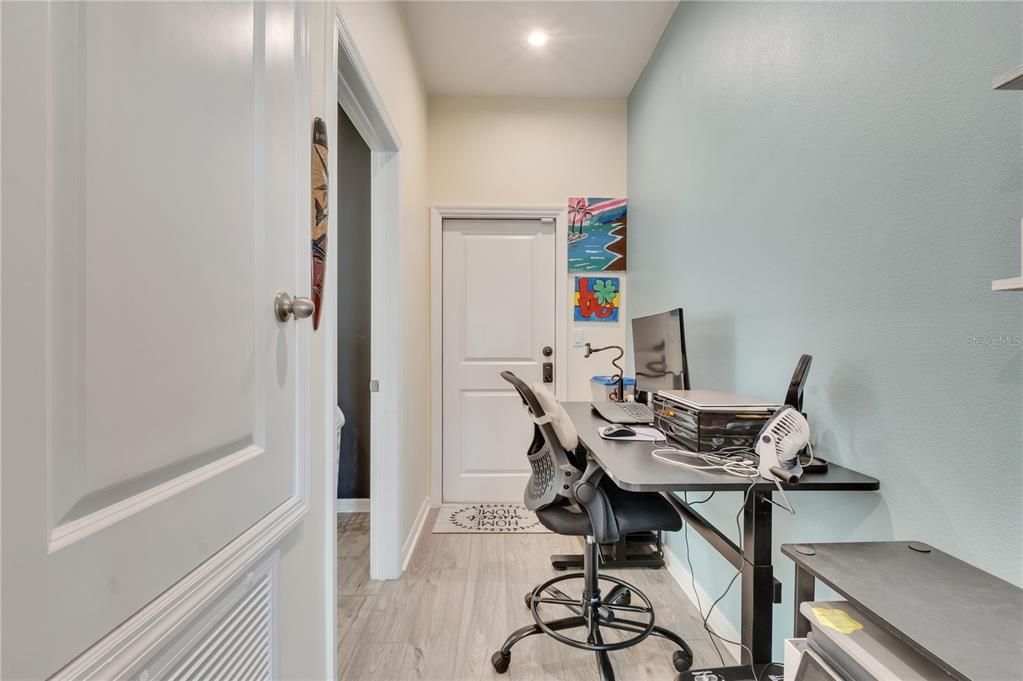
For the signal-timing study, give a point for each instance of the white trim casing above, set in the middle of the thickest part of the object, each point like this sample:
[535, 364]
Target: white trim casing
[717, 621]
[436, 357]
[353, 506]
[561, 300]
[386, 470]
[412, 540]
[365, 107]
[438, 213]
[359, 97]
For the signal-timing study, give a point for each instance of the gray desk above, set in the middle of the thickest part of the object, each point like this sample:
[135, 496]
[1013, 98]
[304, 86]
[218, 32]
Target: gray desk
[630, 465]
[966, 621]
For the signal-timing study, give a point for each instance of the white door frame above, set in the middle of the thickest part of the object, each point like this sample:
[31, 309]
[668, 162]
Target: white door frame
[364, 106]
[438, 214]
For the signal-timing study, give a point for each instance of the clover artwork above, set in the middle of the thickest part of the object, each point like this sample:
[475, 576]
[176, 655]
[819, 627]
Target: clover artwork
[597, 299]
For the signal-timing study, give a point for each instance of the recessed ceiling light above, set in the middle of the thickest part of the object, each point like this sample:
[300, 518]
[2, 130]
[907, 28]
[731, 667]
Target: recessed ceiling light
[537, 38]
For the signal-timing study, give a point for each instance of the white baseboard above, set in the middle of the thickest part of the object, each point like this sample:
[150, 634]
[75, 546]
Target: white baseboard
[353, 505]
[718, 622]
[409, 547]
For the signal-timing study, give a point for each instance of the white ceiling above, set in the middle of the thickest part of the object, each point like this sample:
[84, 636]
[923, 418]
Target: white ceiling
[595, 49]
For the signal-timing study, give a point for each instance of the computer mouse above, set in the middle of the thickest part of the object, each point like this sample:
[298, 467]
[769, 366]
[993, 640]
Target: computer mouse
[619, 430]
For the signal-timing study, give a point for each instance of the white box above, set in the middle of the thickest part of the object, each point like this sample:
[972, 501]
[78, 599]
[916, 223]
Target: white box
[794, 648]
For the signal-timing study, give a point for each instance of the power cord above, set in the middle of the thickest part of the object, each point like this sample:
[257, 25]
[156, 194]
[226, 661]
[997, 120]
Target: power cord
[692, 570]
[740, 462]
[706, 623]
[733, 463]
[742, 564]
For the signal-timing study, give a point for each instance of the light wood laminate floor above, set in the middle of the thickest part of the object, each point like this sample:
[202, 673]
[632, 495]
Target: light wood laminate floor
[463, 594]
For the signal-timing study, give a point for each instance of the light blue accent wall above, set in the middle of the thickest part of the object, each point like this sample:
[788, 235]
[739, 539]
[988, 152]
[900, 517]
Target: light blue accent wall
[840, 179]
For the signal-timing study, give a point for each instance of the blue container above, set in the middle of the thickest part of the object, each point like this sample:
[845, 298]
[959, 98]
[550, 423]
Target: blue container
[605, 387]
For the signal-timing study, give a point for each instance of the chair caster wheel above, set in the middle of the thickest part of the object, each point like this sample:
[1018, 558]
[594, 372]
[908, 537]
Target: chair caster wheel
[528, 600]
[624, 599]
[500, 661]
[559, 568]
[681, 659]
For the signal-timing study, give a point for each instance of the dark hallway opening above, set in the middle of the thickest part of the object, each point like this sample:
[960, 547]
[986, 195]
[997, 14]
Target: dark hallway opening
[354, 312]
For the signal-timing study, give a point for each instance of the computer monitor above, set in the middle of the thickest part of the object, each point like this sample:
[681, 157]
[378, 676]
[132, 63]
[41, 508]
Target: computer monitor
[659, 351]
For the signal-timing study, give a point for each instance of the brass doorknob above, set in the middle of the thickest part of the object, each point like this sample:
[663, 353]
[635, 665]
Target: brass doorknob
[285, 307]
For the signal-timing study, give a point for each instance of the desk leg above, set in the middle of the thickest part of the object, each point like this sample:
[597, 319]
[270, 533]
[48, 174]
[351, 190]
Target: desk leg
[757, 579]
[805, 584]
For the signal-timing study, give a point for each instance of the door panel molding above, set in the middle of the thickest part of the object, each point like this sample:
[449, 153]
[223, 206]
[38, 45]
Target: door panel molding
[129, 647]
[84, 497]
[107, 514]
[440, 212]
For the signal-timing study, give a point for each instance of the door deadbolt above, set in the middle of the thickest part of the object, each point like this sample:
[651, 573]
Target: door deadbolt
[547, 351]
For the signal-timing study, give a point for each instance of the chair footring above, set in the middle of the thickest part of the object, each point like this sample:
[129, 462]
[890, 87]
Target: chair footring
[592, 613]
[601, 610]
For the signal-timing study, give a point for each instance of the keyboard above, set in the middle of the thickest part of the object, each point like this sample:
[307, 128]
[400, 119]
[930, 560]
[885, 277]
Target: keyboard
[624, 412]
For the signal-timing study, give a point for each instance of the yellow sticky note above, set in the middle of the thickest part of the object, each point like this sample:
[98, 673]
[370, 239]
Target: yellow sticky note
[836, 619]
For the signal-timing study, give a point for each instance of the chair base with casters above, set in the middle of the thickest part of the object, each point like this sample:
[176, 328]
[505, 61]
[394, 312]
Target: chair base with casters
[621, 607]
[570, 496]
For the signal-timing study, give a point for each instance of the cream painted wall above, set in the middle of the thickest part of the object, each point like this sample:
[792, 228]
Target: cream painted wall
[522, 151]
[307, 601]
[380, 36]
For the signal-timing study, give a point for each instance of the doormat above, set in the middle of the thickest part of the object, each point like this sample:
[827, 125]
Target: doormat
[487, 519]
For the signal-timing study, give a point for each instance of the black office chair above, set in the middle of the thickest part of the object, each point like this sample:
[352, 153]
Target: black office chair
[570, 496]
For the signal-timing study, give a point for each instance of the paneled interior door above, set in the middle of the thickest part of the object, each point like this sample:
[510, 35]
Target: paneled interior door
[498, 315]
[155, 199]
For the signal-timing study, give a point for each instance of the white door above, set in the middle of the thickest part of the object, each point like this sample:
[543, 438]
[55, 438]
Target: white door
[499, 315]
[155, 180]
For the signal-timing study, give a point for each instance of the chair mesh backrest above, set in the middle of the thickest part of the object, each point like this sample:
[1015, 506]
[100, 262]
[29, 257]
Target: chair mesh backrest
[553, 472]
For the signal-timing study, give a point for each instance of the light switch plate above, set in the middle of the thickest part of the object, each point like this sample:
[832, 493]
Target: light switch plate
[579, 339]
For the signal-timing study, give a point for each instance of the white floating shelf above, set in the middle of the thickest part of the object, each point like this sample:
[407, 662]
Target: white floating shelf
[1015, 283]
[1013, 80]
